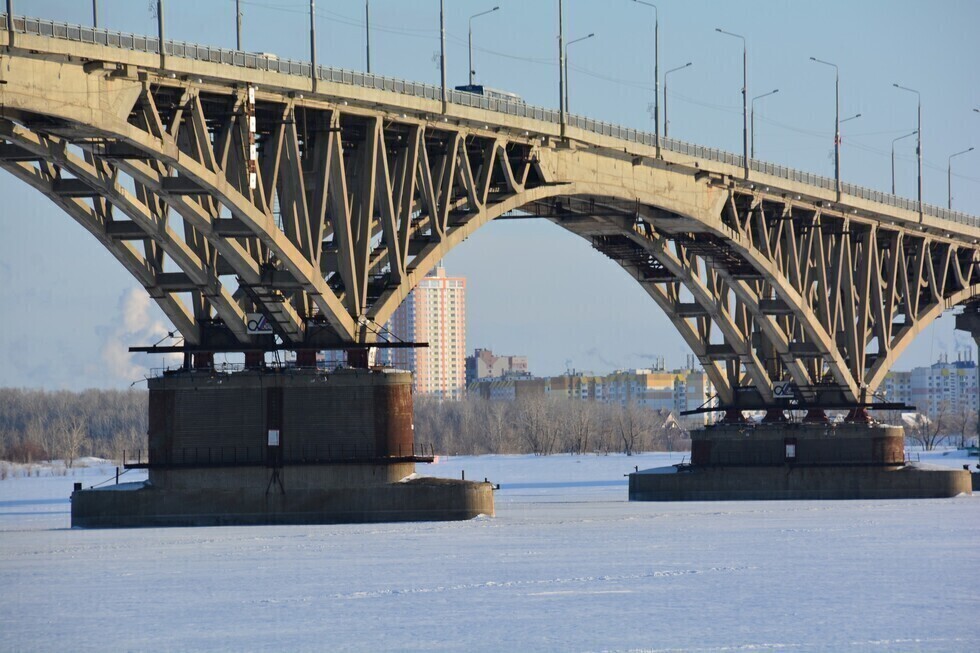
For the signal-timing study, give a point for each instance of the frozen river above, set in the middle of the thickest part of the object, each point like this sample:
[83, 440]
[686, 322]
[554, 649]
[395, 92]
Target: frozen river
[568, 564]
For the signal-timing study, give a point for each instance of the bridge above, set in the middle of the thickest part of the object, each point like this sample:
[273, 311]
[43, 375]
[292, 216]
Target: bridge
[229, 183]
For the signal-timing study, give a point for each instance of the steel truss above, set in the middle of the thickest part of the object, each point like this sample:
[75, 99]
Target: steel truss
[221, 200]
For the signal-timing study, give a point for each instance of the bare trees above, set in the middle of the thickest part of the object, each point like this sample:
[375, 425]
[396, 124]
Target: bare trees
[926, 432]
[542, 426]
[38, 425]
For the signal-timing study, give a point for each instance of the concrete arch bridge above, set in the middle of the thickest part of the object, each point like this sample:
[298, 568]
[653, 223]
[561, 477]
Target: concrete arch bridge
[229, 183]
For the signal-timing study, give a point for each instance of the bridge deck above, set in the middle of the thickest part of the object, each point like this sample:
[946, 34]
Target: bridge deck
[295, 75]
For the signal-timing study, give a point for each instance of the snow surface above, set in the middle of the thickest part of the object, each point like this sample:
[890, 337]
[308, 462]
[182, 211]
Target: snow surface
[568, 564]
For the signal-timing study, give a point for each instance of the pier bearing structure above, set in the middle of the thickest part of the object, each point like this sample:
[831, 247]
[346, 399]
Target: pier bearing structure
[229, 183]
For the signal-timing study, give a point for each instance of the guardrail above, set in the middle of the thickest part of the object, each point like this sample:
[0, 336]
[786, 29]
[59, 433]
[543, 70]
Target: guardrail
[265, 62]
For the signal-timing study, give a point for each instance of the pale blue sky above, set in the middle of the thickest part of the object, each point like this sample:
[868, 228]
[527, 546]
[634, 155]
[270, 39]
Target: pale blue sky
[533, 288]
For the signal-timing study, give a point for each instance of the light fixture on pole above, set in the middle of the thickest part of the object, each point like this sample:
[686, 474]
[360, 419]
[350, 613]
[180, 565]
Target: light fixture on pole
[656, 73]
[745, 97]
[758, 97]
[918, 141]
[895, 140]
[837, 122]
[949, 177]
[568, 45]
[672, 70]
[482, 13]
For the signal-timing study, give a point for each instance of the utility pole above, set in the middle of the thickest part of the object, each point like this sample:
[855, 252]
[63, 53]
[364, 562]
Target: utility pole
[656, 71]
[666, 77]
[367, 31]
[313, 74]
[470, 39]
[918, 143]
[238, 25]
[745, 97]
[163, 60]
[10, 23]
[561, 68]
[442, 53]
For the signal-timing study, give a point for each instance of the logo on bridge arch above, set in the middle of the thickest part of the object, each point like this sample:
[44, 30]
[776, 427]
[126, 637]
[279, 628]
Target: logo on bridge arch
[257, 324]
[782, 390]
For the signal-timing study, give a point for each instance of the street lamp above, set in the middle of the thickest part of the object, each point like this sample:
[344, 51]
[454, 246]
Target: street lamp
[837, 122]
[918, 141]
[949, 178]
[313, 66]
[482, 13]
[656, 74]
[562, 111]
[568, 45]
[367, 32]
[745, 99]
[442, 54]
[758, 97]
[895, 140]
[672, 70]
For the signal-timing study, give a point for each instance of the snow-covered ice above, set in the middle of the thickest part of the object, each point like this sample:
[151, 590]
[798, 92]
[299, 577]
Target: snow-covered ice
[568, 564]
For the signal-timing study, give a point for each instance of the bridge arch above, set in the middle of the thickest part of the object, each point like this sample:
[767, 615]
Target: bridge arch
[328, 214]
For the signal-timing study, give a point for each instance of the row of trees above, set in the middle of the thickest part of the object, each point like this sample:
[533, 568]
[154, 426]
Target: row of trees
[543, 426]
[38, 425]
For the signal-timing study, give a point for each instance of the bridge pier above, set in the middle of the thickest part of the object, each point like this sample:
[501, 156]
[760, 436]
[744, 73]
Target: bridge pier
[797, 460]
[969, 321]
[280, 446]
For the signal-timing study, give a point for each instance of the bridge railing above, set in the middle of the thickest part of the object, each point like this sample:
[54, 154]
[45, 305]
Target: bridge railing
[272, 63]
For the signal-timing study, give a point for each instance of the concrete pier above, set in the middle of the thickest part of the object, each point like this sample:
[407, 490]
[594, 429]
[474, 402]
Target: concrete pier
[294, 446]
[797, 461]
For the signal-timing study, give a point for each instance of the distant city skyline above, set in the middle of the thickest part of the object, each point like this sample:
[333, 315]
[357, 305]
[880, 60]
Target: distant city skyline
[535, 289]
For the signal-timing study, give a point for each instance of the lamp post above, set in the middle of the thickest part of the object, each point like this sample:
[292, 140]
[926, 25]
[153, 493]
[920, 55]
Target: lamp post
[367, 32]
[163, 61]
[442, 54]
[918, 141]
[758, 97]
[238, 25]
[745, 97]
[562, 118]
[95, 13]
[656, 73]
[666, 120]
[895, 140]
[568, 45]
[313, 43]
[837, 122]
[482, 13]
[949, 177]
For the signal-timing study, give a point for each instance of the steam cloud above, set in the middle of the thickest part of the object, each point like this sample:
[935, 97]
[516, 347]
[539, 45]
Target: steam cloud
[135, 324]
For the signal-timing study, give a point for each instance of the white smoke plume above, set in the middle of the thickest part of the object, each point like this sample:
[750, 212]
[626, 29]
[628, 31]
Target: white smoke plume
[135, 324]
